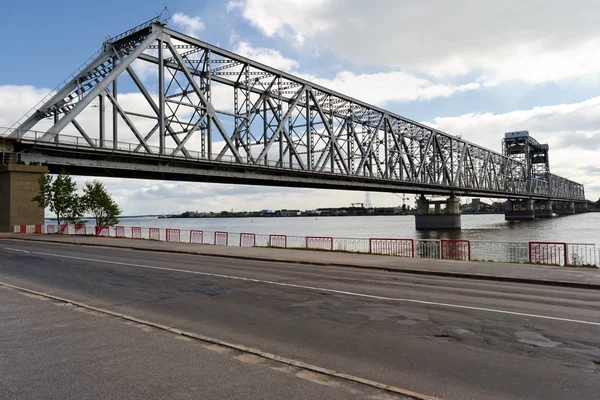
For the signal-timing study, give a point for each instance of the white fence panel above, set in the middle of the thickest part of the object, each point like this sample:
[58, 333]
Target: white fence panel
[298, 242]
[351, 244]
[510, 252]
[427, 248]
[262, 240]
[582, 254]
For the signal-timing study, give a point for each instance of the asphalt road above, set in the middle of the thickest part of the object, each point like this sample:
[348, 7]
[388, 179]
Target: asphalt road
[54, 350]
[452, 338]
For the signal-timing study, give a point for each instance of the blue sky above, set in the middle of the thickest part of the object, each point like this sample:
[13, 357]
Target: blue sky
[477, 69]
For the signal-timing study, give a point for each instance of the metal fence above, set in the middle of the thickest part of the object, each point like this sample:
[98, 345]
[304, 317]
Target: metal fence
[547, 253]
[508, 252]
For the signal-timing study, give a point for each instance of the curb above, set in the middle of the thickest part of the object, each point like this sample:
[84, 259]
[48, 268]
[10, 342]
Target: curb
[238, 347]
[462, 275]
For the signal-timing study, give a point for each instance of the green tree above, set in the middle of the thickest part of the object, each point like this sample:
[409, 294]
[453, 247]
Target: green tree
[60, 196]
[98, 202]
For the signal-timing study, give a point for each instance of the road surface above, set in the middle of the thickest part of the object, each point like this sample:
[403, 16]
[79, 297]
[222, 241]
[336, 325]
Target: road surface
[452, 338]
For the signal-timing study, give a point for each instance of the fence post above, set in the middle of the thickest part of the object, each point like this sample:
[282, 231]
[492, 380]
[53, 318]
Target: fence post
[530, 255]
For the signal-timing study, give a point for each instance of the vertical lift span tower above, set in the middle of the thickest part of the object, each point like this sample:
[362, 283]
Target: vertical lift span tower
[521, 147]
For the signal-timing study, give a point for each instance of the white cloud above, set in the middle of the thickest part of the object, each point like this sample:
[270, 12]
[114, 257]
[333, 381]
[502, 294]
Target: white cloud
[234, 4]
[571, 130]
[146, 71]
[270, 57]
[190, 25]
[381, 88]
[375, 88]
[498, 40]
[16, 101]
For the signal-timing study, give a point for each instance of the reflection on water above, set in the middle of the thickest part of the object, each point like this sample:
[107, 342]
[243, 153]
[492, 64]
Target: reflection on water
[580, 228]
[439, 234]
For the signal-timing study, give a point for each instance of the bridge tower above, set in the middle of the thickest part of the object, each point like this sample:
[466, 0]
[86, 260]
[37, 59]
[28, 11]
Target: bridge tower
[520, 146]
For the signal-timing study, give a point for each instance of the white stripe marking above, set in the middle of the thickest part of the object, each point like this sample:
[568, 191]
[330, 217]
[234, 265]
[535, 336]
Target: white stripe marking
[319, 289]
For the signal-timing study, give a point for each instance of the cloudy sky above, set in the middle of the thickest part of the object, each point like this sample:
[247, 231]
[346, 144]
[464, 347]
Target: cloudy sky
[470, 68]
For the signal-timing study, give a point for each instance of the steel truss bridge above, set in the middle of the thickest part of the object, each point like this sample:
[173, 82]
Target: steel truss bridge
[210, 115]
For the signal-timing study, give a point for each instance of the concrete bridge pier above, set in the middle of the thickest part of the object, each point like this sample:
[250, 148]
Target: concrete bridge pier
[18, 185]
[581, 207]
[543, 209]
[564, 208]
[428, 217]
[517, 210]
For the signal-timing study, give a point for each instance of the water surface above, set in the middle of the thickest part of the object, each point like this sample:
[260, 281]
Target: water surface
[578, 228]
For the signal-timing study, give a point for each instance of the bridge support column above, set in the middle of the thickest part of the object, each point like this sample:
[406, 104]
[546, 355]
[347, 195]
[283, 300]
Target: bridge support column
[543, 209]
[581, 208]
[426, 218]
[18, 185]
[516, 210]
[564, 208]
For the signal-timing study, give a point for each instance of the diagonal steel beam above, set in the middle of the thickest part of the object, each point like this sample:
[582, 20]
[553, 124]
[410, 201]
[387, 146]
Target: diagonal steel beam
[445, 171]
[154, 107]
[424, 155]
[461, 163]
[368, 153]
[99, 88]
[280, 127]
[332, 137]
[146, 138]
[190, 133]
[82, 133]
[128, 122]
[255, 106]
[209, 107]
[60, 95]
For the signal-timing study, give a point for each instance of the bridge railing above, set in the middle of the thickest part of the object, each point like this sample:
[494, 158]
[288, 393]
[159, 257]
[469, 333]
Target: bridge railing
[144, 150]
[549, 253]
[552, 185]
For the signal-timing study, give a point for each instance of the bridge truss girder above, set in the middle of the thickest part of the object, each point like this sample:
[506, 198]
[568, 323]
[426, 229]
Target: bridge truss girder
[217, 106]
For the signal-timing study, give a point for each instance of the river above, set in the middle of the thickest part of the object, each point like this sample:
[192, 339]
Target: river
[579, 228]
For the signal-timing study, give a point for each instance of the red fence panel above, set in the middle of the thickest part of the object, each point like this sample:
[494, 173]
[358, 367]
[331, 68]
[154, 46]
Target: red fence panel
[221, 238]
[119, 231]
[154, 233]
[51, 229]
[22, 228]
[64, 229]
[38, 229]
[392, 247]
[551, 253]
[247, 240]
[196, 236]
[319, 242]
[102, 231]
[80, 230]
[136, 232]
[173, 235]
[455, 249]
[277, 241]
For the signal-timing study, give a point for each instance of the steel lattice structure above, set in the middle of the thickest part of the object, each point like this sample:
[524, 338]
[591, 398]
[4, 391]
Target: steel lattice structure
[214, 106]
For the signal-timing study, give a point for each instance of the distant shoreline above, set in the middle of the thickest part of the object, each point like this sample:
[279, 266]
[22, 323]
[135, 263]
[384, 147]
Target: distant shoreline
[289, 216]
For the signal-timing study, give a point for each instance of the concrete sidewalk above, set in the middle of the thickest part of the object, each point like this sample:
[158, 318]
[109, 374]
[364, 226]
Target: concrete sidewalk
[56, 350]
[521, 273]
